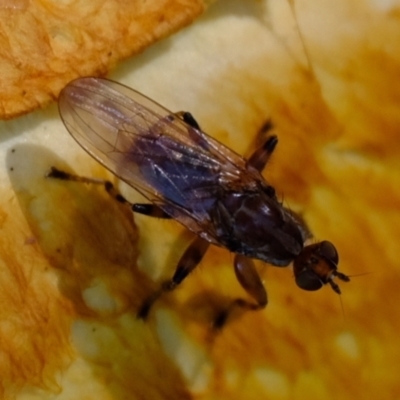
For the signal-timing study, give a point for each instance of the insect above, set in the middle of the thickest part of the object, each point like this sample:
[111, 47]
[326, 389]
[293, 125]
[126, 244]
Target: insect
[190, 177]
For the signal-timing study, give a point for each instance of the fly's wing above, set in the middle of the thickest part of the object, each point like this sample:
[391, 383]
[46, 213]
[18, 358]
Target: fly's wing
[175, 166]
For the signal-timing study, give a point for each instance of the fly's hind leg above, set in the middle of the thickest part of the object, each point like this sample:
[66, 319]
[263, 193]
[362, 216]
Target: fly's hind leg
[249, 279]
[261, 155]
[150, 210]
[188, 262]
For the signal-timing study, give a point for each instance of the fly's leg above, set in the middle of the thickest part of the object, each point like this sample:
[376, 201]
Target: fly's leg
[188, 262]
[150, 210]
[249, 279]
[261, 156]
[188, 118]
[194, 130]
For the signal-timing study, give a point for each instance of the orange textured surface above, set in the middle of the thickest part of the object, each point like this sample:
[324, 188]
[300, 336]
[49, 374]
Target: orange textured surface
[45, 44]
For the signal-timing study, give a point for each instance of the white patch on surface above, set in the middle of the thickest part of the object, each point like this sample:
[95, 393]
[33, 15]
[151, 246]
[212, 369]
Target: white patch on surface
[189, 358]
[347, 344]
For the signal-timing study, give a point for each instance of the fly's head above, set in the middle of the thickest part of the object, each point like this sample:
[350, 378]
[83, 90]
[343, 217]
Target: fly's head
[316, 265]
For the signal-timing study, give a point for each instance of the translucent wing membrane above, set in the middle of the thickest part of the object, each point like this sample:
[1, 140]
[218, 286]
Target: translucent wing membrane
[174, 165]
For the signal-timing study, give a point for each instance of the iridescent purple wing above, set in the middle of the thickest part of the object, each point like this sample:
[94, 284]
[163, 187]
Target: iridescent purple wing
[175, 166]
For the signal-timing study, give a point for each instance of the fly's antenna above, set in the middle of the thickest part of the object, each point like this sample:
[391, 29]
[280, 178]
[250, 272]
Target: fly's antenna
[361, 274]
[340, 295]
[342, 307]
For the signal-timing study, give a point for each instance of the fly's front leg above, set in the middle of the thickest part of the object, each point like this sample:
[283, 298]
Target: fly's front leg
[249, 279]
[150, 210]
[261, 156]
[188, 262]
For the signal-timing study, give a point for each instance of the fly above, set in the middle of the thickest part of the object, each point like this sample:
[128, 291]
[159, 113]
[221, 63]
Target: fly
[190, 177]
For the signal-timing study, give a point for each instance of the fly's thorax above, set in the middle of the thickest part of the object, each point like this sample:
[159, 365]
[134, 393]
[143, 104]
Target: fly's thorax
[255, 224]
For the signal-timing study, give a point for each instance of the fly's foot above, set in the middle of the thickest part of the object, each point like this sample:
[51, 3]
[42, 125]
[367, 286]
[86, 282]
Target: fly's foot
[223, 316]
[145, 308]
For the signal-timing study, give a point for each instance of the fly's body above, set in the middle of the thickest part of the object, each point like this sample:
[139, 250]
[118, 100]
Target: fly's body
[190, 177]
